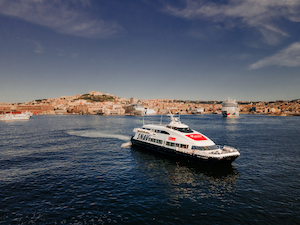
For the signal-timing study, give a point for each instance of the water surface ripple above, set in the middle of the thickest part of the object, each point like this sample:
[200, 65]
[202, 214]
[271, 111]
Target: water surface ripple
[72, 170]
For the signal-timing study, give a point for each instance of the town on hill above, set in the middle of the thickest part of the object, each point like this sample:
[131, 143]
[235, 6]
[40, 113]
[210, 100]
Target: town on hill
[98, 103]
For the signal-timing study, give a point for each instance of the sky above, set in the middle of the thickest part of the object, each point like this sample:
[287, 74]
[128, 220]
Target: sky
[248, 50]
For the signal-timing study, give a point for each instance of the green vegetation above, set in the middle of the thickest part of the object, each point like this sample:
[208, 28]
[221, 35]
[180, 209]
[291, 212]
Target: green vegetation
[97, 98]
[40, 100]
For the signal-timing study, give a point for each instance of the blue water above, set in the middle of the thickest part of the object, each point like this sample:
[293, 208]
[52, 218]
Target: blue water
[72, 170]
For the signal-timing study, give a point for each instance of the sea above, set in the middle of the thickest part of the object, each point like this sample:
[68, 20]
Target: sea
[71, 169]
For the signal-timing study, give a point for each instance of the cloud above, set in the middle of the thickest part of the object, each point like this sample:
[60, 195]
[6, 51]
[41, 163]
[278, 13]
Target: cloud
[261, 15]
[289, 57]
[67, 17]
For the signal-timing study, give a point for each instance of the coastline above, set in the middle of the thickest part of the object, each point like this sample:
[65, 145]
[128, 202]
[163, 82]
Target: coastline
[97, 103]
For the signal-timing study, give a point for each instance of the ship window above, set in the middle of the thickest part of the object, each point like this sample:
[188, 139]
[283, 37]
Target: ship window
[155, 140]
[198, 148]
[203, 148]
[170, 143]
[161, 132]
[178, 145]
[184, 130]
[158, 141]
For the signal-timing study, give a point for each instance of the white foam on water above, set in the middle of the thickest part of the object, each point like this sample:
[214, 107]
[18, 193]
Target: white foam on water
[98, 134]
[126, 145]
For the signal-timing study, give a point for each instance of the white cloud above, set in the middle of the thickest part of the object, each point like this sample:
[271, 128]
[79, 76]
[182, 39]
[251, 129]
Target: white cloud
[289, 56]
[259, 14]
[67, 17]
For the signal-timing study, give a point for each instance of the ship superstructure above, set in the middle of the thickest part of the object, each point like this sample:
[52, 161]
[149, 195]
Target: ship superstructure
[230, 108]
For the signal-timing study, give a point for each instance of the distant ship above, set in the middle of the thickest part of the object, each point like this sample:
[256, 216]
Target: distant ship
[149, 112]
[15, 116]
[198, 111]
[230, 108]
[138, 110]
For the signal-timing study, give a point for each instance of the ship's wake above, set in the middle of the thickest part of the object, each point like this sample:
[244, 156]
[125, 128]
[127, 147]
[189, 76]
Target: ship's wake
[98, 134]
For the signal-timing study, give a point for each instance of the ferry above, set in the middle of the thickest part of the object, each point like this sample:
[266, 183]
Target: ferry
[178, 139]
[230, 108]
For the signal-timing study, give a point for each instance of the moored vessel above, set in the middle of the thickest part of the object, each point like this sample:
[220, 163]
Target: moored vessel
[138, 110]
[15, 116]
[198, 111]
[230, 108]
[149, 112]
[178, 139]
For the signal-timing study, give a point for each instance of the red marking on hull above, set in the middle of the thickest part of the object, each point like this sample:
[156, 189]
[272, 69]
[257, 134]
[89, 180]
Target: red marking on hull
[196, 137]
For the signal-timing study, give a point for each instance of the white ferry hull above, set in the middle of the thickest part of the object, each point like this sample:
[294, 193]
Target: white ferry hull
[203, 160]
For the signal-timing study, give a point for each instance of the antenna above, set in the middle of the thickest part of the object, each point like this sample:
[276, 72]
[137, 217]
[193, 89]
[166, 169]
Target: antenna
[172, 117]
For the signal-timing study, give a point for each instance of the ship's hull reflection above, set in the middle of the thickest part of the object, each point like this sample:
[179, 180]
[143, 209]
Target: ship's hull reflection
[219, 172]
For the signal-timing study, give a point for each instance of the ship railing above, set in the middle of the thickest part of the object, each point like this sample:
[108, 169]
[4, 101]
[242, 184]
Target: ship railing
[228, 149]
[197, 152]
[142, 131]
[220, 150]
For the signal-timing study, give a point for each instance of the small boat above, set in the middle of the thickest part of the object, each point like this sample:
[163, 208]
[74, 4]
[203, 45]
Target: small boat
[178, 139]
[15, 116]
[230, 108]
